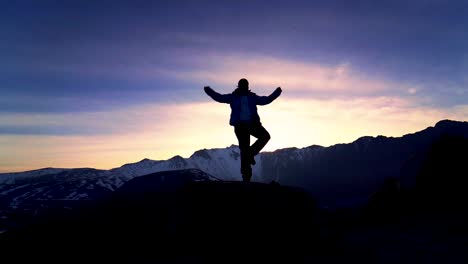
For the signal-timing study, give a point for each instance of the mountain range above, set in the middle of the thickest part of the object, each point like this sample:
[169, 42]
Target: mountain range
[339, 175]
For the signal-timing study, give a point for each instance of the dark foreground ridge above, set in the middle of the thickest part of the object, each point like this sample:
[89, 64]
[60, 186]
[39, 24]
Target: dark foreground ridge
[176, 217]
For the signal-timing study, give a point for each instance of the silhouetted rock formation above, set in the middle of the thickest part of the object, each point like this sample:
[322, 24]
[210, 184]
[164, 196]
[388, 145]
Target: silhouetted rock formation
[178, 216]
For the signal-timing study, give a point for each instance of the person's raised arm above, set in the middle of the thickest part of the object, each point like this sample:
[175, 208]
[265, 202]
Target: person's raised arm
[221, 98]
[264, 100]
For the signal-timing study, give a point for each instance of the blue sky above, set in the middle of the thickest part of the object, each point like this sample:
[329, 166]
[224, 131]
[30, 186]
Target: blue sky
[65, 64]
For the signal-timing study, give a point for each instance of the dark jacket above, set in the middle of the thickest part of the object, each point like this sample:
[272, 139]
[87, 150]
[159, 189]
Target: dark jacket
[234, 99]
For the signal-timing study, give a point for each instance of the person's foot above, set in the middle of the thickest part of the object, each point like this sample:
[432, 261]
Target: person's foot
[246, 174]
[246, 178]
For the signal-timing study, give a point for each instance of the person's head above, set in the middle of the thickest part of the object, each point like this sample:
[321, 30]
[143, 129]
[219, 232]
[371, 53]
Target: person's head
[243, 84]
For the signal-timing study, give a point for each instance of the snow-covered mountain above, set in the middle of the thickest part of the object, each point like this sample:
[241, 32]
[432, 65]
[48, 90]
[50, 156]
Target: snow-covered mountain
[86, 183]
[346, 172]
[220, 162]
[10, 178]
[82, 183]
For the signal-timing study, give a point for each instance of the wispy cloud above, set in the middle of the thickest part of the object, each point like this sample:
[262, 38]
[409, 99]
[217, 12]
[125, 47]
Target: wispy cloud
[303, 77]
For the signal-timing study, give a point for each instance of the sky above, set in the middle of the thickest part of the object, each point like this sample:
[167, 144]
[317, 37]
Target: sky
[103, 83]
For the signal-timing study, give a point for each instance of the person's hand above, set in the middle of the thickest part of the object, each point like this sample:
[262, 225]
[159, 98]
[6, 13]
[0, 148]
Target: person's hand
[279, 89]
[206, 88]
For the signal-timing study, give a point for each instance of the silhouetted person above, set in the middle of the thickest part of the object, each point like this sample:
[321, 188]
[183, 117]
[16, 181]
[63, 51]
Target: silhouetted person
[246, 122]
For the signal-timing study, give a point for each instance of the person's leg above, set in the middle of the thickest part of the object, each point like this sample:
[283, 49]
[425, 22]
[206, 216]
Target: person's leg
[243, 136]
[262, 136]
